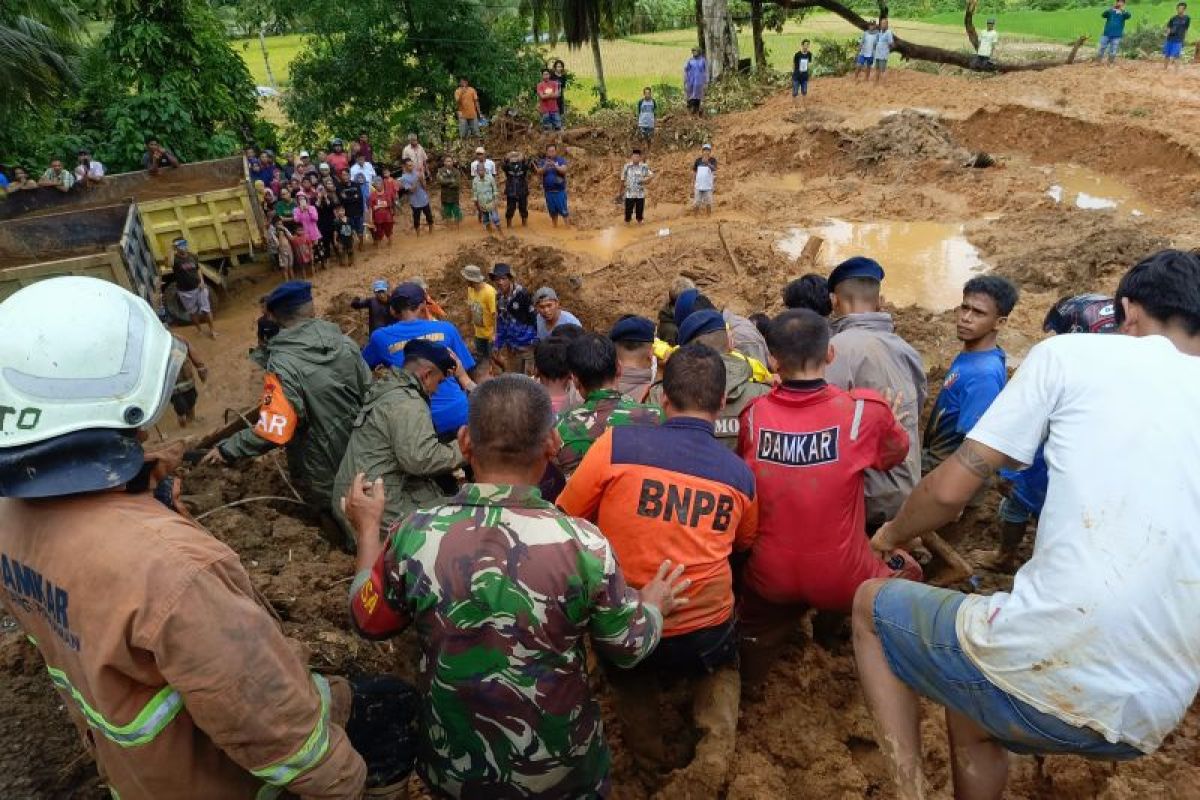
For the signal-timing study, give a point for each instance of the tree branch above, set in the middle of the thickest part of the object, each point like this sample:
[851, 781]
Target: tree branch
[937, 55]
[969, 23]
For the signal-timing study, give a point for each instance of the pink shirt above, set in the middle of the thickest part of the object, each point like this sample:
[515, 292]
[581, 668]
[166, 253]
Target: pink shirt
[307, 217]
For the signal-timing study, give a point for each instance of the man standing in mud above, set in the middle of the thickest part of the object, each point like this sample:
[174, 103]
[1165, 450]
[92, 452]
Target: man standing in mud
[516, 319]
[975, 378]
[867, 354]
[1096, 651]
[507, 709]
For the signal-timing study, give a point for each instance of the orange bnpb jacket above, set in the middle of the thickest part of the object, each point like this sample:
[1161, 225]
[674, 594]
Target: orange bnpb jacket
[670, 492]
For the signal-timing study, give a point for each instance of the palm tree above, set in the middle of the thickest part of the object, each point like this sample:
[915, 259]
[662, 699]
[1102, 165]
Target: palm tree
[583, 21]
[38, 47]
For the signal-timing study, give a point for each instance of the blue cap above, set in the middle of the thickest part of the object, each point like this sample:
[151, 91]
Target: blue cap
[379, 286]
[412, 294]
[857, 267]
[632, 329]
[289, 295]
[685, 304]
[432, 352]
[700, 323]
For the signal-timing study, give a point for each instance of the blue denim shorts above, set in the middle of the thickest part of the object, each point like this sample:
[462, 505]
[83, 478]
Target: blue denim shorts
[916, 625]
[1014, 511]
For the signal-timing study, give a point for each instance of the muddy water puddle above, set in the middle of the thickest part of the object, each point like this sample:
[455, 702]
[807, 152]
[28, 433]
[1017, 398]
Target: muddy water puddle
[925, 263]
[1081, 187]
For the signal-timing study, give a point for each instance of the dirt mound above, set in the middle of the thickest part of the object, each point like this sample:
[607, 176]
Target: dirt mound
[908, 135]
[352, 321]
[1065, 249]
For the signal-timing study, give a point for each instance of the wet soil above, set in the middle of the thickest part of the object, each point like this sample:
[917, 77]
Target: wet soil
[850, 157]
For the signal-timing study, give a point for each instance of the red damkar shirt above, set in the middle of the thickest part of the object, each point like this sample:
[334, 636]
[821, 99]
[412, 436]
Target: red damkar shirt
[808, 444]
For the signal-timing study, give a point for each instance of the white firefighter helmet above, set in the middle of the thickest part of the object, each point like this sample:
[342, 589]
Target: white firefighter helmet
[79, 354]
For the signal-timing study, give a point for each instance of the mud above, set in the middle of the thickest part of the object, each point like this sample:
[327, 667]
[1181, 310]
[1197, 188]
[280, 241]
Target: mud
[809, 735]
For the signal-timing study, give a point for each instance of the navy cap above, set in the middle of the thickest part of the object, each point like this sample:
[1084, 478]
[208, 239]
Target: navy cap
[412, 294]
[685, 304]
[700, 323]
[632, 329]
[289, 295]
[432, 352]
[857, 267]
[502, 271]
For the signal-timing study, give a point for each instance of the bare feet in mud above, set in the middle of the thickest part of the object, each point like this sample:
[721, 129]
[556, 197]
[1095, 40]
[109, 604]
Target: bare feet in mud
[994, 560]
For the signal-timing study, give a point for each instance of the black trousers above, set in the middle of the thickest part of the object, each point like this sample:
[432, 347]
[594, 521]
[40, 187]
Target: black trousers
[417, 212]
[517, 204]
[635, 206]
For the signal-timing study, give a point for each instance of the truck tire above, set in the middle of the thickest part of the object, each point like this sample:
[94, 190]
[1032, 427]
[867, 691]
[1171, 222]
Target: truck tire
[170, 296]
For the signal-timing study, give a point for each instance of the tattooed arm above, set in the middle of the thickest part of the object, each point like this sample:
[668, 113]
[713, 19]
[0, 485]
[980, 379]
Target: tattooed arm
[942, 494]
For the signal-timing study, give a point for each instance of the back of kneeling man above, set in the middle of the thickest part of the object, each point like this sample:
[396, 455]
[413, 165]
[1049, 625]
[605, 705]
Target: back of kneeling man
[1096, 651]
[675, 492]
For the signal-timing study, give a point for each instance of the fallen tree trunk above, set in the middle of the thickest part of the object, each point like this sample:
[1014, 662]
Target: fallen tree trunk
[969, 24]
[937, 55]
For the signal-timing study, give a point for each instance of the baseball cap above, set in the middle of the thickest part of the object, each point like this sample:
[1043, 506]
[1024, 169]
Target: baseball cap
[410, 293]
[479, 151]
[706, 146]
[432, 352]
[180, 242]
[544, 293]
[632, 328]
[700, 323]
[304, 154]
[856, 267]
[379, 286]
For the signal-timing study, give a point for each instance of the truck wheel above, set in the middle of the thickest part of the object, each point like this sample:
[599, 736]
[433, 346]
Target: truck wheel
[175, 307]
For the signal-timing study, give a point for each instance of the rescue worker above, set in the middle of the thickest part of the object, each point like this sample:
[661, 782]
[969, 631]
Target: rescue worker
[313, 389]
[674, 492]
[592, 359]
[516, 321]
[746, 338]
[507, 708]
[634, 338]
[393, 437]
[181, 684]
[409, 304]
[668, 331]
[869, 355]
[833, 436]
[708, 328]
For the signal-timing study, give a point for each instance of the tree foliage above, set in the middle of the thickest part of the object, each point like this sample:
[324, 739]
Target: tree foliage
[38, 46]
[382, 66]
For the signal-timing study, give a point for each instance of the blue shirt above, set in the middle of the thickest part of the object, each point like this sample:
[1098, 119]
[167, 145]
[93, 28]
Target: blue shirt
[386, 346]
[973, 382]
[1030, 484]
[1114, 23]
[564, 318]
[417, 196]
[553, 180]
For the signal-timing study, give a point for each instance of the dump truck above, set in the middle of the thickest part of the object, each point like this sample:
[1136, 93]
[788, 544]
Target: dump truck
[106, 242]
[212, 204]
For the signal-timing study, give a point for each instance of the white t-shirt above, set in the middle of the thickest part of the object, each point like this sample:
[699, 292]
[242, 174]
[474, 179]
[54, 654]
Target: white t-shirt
[489, 167]
[1102, 628]
[987, 42]
[94, 170]
[867, 44]
[884, 43]
[705, 177]
[366, 168]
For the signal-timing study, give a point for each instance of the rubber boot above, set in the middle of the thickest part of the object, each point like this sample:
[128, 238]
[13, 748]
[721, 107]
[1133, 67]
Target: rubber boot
[636, 701]
[715, 700]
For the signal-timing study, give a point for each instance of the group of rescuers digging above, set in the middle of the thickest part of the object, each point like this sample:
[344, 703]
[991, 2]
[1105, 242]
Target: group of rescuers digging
[701, 487]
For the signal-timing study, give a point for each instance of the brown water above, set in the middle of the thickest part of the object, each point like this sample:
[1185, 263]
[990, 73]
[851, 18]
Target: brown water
[1083, 188]
[925, 263]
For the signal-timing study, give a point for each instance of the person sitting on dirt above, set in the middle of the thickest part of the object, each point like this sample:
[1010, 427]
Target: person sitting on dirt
[386, 346]
[975, 378]
[552, 370]
[833, 436]
[869, 355]
[378, 312]
[157, 156]
[592, 359]
[742, 387]
[190, 286]
[393, 438]
[809, 291]
[88, 171]
[1096, 650]
[516, 321]
[1114, 30]
[634, 339]
[149, 624]
[988, 40]
[487, 730]
[57, 177]
[674, 492]
[866, 51]
[551, 314]
[1024, 491]
[313, 390]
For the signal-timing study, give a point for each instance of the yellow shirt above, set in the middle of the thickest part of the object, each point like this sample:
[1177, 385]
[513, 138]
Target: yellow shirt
[481, 299]
[759, 372]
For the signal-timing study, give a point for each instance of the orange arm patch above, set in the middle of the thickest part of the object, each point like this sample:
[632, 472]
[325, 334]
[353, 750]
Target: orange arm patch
[276, 415]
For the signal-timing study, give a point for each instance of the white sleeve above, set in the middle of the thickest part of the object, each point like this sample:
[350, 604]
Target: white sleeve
[1017, 421]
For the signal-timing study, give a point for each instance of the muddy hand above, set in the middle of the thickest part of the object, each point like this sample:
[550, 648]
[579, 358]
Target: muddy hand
[895, 399]
[363, 506]
[665, 589]
[213, 456]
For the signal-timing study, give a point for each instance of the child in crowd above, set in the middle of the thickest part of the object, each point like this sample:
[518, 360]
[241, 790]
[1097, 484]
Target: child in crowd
[343, 232]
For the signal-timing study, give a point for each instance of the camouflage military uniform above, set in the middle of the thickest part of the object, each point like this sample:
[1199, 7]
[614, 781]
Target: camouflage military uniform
[583, 424]
[503, 587]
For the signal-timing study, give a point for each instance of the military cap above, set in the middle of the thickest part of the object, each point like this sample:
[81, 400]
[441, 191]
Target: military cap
[289, 295]
[412, 294]
[700, 323]
[856, 267]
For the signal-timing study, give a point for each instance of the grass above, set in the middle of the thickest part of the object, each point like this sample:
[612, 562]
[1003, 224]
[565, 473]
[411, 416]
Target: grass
[1064, 25]
[280, 49]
